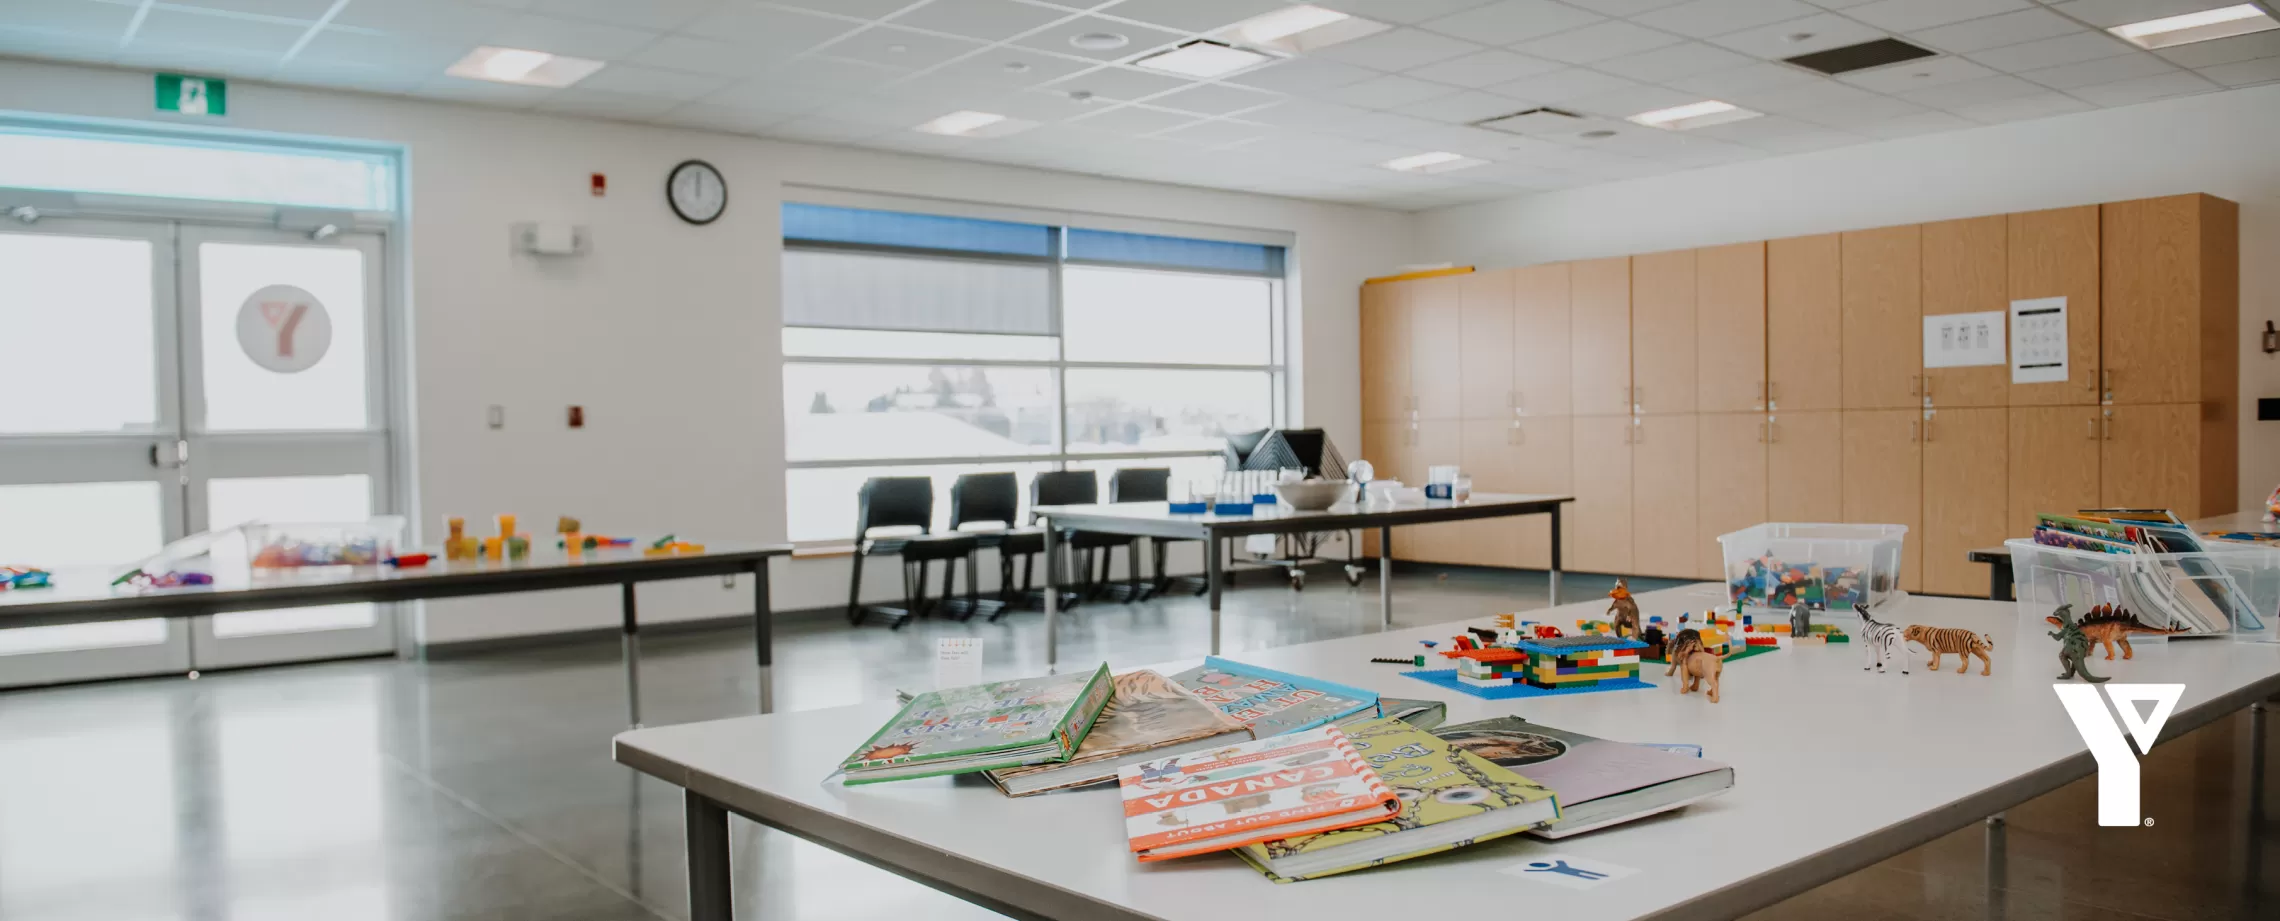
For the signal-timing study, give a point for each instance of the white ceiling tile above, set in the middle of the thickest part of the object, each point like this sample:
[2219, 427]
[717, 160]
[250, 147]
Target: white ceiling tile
[1121, 83]
[647, 14]
[569, 36]
[1485, 68]
[705, 56]
[1778, 134]
[1858, 114]
[1623, 7]
[949, 93]
[340, 48]
[825, 130]
[57, 46]
[988, 20]
[1921, 73]
[1403, 11]
[2244, 73]
[1910, 15]
[633, 80]
[1390, 126]
[1598, 42]
[2108, 13]
[1510, 21]
[1217, 133]
[1807, 141]
[1309, 115]
[1664, 64]
[443, 20]
[858, 9]
[1141, 38]
[2146, 89]
[1814, 94]
[1996, 31]
[212, 62]
[836, 75]
[1398, 49]
[75, 17]
[1705, 18]
[2051, 52]
[1773, 42]
[772, 96]
[2100, 70]
[715, 118]
[1468, 106]
[1388, 92]
[1008, 66]
[1625, 103]
[1839, 4]
[1963, 94]
[1751, 78]
[888, 46]
[1193, 15]
[304, 10]
[170, 28]
[484, 92]
[2226, 50]
[890, 111]
[1042, 106]
[1304, 75]
[1565, 85]
[365, 78]
[1214, 99]
[1930, 122]
[1134, 120]
[766, 32]
[600, 104]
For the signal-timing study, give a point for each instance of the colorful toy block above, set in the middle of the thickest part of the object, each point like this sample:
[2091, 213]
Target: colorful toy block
[1557, 663]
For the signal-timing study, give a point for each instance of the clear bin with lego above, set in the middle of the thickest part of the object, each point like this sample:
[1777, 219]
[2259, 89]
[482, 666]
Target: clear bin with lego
[2231, 590]
[283, 545]
[1778, 565]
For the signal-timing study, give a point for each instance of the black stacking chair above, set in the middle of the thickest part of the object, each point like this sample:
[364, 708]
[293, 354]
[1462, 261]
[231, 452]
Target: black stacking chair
[905, 501]
[1082, 487]
[1144, 484]
[995, 498]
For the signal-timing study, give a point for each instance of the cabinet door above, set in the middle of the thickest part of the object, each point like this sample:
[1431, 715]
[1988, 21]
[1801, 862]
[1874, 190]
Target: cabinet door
[1966, 488]
[1731, 481]
[1541, 344]
[1484, 345]
[1966, 270]
[1662, 332]
[1385, 444]
[1600, 311]
[1385, 351]
[1804, 329]
[1883, 318]
[1491, 455]
[1598, 523]
[2150, 457]
[1729, 328]
[2153, 285]
[1804, 464]
[1543, 463]
[2055, 254]
[1883, 478]
[1665, 508]
[1436, 370]
[2054, 463]
[1433, 442]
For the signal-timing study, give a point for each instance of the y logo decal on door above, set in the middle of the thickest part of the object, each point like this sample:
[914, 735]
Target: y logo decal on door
[2118, 774]
[284, 329]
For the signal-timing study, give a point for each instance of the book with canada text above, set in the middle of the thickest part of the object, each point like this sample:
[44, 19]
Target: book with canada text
[1291, 784]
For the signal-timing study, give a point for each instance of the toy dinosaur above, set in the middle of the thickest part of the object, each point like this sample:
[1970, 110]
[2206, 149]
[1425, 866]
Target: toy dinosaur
[1625, 610]
[2107, 625]
[2073, 645]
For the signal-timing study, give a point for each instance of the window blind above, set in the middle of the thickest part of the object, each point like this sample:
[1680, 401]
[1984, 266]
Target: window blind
[826, 224]
[853, 290]
[1174, 252]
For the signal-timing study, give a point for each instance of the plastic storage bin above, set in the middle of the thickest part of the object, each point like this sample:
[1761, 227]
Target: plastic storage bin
[272, 545]
[1825, 566]
[2231, 589]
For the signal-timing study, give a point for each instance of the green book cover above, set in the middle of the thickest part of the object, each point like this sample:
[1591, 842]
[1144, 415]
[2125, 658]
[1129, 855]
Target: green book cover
[994, 725]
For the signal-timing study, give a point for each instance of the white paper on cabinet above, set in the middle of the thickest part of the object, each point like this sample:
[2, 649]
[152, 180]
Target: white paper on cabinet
[1963, 340]
[2038, 327]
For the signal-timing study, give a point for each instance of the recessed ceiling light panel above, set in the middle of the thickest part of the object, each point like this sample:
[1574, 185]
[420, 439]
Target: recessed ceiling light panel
[1693, 115]
[2196, 27]
[1860, 56]
[523, 66]
[1300, 28]
[1203, 59]
[966, 123]
[1439, 161]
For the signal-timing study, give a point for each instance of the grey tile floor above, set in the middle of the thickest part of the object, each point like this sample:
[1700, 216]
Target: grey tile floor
[481, 787]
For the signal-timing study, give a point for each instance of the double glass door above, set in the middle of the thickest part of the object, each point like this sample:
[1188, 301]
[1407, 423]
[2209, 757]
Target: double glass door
[162, 378]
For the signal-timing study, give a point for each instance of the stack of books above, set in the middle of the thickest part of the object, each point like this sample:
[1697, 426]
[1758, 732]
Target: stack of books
[1272, 702]
[996, 725]
[1293, 784]
[1599, 783]
[2165, 574]
[1151, 717]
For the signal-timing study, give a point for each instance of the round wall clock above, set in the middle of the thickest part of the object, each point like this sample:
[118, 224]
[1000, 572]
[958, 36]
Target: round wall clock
[696, 192]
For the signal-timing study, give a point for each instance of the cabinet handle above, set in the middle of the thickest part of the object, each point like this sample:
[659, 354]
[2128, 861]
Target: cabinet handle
[2092, 425]
[1773, 431]
[1913, 433]
[1927, 431]
[1640, 432]
[1927, 390]
[2109, 426]
[2106, 381]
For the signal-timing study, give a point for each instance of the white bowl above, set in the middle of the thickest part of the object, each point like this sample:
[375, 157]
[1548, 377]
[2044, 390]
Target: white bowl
[1314, 495]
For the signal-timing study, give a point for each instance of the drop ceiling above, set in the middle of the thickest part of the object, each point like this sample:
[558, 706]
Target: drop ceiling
[866, 72]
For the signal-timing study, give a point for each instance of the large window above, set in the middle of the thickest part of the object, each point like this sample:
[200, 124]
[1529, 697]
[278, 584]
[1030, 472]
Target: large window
[921, 345]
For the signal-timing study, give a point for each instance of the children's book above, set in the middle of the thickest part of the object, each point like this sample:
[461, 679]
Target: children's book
[1600, 783]
[1423, 714]
[1449, 798]
[1293, 784]
[986, 726]
[1151, 717]
[1272, 702]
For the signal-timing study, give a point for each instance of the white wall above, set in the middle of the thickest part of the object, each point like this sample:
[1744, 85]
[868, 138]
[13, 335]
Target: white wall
[2225, 144]
[668, 334]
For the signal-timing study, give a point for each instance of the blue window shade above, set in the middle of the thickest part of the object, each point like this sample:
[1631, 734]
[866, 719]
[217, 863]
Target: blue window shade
[825, 224]
[1174, 252]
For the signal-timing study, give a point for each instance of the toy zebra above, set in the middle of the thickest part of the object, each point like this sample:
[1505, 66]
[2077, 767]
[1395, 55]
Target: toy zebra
[1963, 643]
[1882, 641]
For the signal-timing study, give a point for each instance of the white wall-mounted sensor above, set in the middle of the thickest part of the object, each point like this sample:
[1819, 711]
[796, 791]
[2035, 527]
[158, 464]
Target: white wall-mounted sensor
[550, 238]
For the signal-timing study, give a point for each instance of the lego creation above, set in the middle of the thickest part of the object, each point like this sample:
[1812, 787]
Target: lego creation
[2073, 645]
[1769, 582]
[15, 577]
[1623, 609]
[667, 546]
[1516, 664]
[287, 546]
[573, 539]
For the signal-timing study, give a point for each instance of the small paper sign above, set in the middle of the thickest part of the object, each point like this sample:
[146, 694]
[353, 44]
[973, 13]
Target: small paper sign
[957, 662]
[1963, 340]
[1568, 871]
[2038, 326]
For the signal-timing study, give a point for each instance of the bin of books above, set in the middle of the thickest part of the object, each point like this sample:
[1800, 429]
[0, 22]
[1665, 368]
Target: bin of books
[2159, 588]
[1828, 567]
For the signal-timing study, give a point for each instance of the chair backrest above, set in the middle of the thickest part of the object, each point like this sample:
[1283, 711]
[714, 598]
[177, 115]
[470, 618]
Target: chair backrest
[1140, 484]
[1064, 487]
[894, 501]
[983, 498]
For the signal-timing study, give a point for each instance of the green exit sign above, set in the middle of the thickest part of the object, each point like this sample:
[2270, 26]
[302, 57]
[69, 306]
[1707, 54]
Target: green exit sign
[193, 95]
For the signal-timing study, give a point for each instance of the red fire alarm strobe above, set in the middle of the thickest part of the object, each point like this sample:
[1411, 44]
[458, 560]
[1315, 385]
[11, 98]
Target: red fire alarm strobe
[601, 185]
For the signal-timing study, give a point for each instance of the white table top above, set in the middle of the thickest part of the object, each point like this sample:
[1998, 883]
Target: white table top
[1836, 769]
[1146, 517]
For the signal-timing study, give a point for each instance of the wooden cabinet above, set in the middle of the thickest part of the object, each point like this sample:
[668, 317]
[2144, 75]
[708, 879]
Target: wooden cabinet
[1385, 444]
[1662, 332]
[2053, 463]
[2157, 457]
[1730, 481]
[1804, 464]
[1966, 454]
[1436, 371]
[1729, 328]
[1431, 442]
[1545, 463]
[1541, 359]
[1484, 345]
[1883, 478]
[1600, 318]
[1532, 455]
[2055, 254]
[1598, 523]
[1883, 318]
[1665, 509]
[1804, 329]
[2171, 285]
[1966, 270]
[1385, 351]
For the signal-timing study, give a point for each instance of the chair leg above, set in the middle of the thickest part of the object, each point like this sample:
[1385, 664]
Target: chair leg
[949, 585]
[1132, 571]
[973, 587]
[855, 589]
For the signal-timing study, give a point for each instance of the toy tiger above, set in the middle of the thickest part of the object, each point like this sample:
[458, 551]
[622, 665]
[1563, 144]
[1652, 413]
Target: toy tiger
[1963, 643]
[1882, 641]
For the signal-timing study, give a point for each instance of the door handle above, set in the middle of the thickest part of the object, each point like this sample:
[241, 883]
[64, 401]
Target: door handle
[166, 457]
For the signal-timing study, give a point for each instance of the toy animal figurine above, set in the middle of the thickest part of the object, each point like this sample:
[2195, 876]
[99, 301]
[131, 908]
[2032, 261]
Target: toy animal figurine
[1800, 620]
[1688, 642]
[1624, 610]
[1697, 666]
[1943, 640]
[1655, 640]
[2107, 625]
[2073, 645]
[1882, 641]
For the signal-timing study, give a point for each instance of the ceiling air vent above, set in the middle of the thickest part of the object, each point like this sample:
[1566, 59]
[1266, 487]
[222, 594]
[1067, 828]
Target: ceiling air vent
[1537, 121]
[1863, 56]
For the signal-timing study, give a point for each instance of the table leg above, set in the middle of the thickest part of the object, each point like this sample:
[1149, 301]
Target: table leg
[1385, 579]
[1213, 574]
[710, 895]
[1052, 554]
[1998, 865]
[630, 638]
[1555, 573]
[764, 635]
[1999, 581]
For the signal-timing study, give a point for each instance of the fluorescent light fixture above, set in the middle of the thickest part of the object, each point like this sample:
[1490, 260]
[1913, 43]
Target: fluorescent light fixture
[1693, 115]
[1439, 161]
[2196, 27]
[1300, 28]
[1203, 59]
[523, 66]
[967, 123]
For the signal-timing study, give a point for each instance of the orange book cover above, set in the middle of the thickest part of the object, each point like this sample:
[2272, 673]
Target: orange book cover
[1297, 783]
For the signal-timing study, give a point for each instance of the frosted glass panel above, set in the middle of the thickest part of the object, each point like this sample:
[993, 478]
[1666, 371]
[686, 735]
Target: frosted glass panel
[1139, 316]
[76, 310]
[75, 163]
[243, 396]
[80, 524]
[235, 501]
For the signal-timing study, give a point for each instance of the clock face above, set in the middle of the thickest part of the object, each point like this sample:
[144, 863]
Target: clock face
[696, 192]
